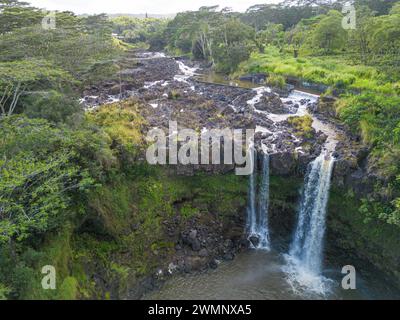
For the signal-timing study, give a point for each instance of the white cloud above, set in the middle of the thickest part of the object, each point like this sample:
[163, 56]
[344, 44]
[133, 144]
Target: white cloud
[141, 6]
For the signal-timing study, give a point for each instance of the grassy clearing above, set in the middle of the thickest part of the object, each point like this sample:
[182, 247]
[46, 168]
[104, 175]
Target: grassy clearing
[334, 71]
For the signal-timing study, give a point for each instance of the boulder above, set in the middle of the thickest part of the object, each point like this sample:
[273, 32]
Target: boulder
[193, 264]
[203, 253]
[271, 103]
[255, 241]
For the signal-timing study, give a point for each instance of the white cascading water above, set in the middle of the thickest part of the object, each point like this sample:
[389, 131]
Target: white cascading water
[306, 251]
[187, 72]
[263, 206]
[251, 209]
[257, 219]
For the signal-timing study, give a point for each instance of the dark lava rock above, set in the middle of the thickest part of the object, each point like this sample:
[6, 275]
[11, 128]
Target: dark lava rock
[271, 103]
[228, 256]
[213, 264]
[255, 241]
[254, 77]
[203, 253]
[192, 241]
[193, 264]
[283, 163]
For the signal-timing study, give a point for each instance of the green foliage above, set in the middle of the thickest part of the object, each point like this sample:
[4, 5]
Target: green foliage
[70, 49]
[272, 34]
[4, 291]
[276, 80]
[123, 124]
[336, 72]
[302, 125]
[68, 289]
[376, 239]
[261, 15]
[218, 37]
[375, 117]
[43, 67]
[26, 77]
[21, 266]
[63, 107]
[16, 14]
[232, 45]
[135, 30]
[188, 211]
[329, 34]
[229, 57]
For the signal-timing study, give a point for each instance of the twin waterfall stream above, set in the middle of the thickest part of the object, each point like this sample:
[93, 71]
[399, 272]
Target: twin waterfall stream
[306, 251]
[257, 215]
[304, 260]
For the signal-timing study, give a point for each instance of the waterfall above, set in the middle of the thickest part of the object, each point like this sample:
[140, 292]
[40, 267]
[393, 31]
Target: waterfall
[263, 206]
[306, 251]
[251, 210]
[257, 216]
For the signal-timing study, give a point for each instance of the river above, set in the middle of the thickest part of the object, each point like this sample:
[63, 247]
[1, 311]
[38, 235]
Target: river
[260, 275]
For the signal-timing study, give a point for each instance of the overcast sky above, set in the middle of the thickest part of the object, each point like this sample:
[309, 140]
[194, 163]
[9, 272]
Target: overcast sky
[141, 6]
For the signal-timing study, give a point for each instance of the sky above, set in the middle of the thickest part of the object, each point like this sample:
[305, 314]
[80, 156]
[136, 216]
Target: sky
[140, 6]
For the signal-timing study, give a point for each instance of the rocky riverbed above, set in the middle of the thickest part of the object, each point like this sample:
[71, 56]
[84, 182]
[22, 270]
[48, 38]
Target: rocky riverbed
[169, 89]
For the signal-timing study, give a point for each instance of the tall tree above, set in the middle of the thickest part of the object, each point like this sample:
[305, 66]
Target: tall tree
[329, 34]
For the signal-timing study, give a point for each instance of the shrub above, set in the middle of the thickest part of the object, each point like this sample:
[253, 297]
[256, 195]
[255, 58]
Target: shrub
[276, 80]
[302, 125]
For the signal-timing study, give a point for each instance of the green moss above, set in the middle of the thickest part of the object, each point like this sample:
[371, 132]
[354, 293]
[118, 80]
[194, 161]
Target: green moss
[4, 291]
[68, 289]
[187, 211]
[122, 122]
[122, 234]
[284, 193]
[276, 80]
[174, 95]
[133, 207]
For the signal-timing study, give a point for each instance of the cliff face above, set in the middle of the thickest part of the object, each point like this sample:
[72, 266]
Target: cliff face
[352, 235]
[351, 232]
[147, 226]
[188, 218]
[143, 228]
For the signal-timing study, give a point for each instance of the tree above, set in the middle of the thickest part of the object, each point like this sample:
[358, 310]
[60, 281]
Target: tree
[384, 35]
[98, 25]
[135, 30]
[39, 175]
[296, 37]
[232, 44]
[272, 34]
[260, 16]
[25, 77]
[15, 14]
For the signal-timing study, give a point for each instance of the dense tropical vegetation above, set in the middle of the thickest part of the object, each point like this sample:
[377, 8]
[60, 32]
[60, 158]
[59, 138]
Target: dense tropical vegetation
[59, 164]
